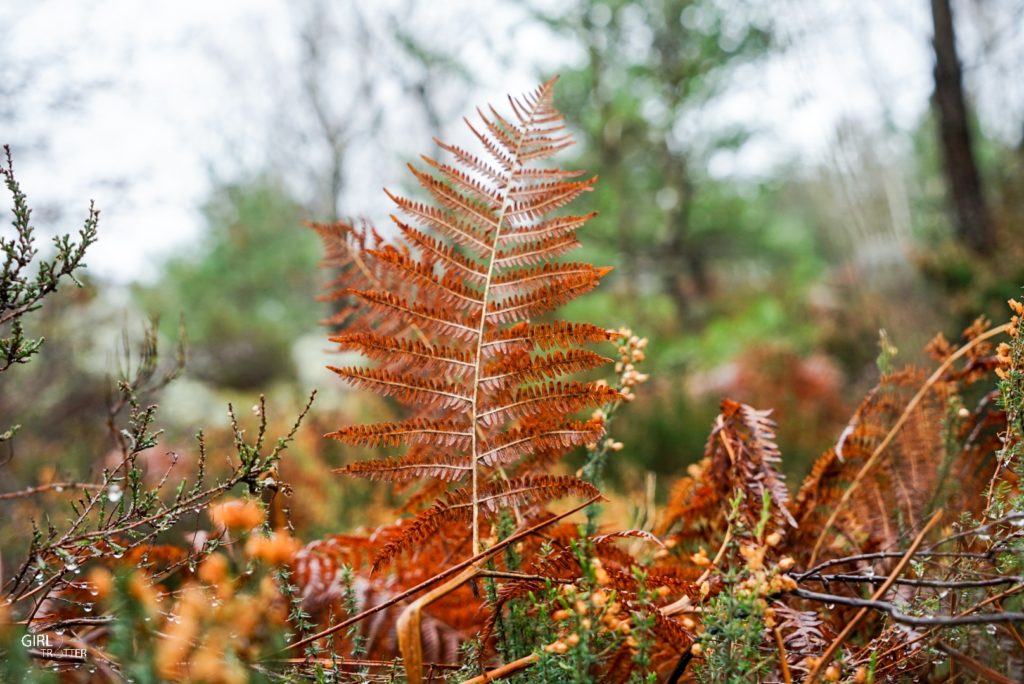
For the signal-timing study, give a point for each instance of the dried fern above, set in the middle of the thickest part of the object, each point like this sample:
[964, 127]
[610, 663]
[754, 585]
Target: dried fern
[446, 309]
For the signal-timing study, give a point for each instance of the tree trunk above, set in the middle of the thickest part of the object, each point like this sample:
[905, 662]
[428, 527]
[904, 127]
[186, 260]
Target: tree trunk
[973, 224]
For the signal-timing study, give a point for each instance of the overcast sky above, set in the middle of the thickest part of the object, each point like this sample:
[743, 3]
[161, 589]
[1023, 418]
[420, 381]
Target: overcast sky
[178, 94]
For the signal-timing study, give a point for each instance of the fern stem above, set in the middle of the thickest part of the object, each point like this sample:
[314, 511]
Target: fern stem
[477, 370]
[826, 657]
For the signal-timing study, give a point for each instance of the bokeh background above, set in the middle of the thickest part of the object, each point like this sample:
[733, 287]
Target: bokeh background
[780, 181]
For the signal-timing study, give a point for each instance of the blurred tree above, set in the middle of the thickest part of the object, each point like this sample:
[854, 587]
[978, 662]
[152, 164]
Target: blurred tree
[973, 223]
[709, 265]
[335, 99]
[246, 290]
[652, 68]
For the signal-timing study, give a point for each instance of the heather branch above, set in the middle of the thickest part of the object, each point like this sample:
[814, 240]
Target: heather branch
[20, 292]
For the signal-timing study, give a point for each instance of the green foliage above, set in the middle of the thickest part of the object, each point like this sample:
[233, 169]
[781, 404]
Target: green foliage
[734, 619]
[652, 66]
[21, 292]
[244, 290]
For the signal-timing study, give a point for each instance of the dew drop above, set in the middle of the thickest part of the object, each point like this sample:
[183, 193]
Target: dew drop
[114, 493]
[990, 630]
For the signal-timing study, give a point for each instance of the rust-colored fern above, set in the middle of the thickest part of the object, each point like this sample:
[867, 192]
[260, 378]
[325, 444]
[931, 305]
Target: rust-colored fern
[447, 310]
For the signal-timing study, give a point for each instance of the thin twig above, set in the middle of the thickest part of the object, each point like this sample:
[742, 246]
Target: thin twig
[783, 657]
[913, 620]
[826, 657]
[53, 486]
[985, 671]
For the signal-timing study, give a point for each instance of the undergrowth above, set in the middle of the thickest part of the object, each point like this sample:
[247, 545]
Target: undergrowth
[897, 559]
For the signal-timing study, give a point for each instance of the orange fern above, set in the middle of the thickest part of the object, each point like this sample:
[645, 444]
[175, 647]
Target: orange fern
[446, 310]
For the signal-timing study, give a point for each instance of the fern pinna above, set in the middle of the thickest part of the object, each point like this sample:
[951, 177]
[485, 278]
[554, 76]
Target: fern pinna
[452, 302]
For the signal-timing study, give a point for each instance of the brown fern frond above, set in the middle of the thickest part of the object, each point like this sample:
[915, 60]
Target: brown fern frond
[414, 466]
[460, 232]
[446, 255]
[462, 179]
[451, 300]
[406, 389]
[537, 251]
[517, 370]
[434, 319]
[439, 433]
[554, 398]
[457, 507]
[449, 290]
[544, 440]
[544, 336]
[344, 255]
[740, 456]
[548, 275]
[414, 352]
[895, 492]
[525, 306]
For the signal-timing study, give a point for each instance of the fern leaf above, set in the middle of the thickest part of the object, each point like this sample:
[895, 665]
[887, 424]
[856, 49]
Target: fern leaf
[436, 319]
[520, 369]
[444, 467]
[404, 388]
[448, 308]
[540, 440]
[438, 433]
[544, 336]
[457, 506]
[554, 398]
[381, 348]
